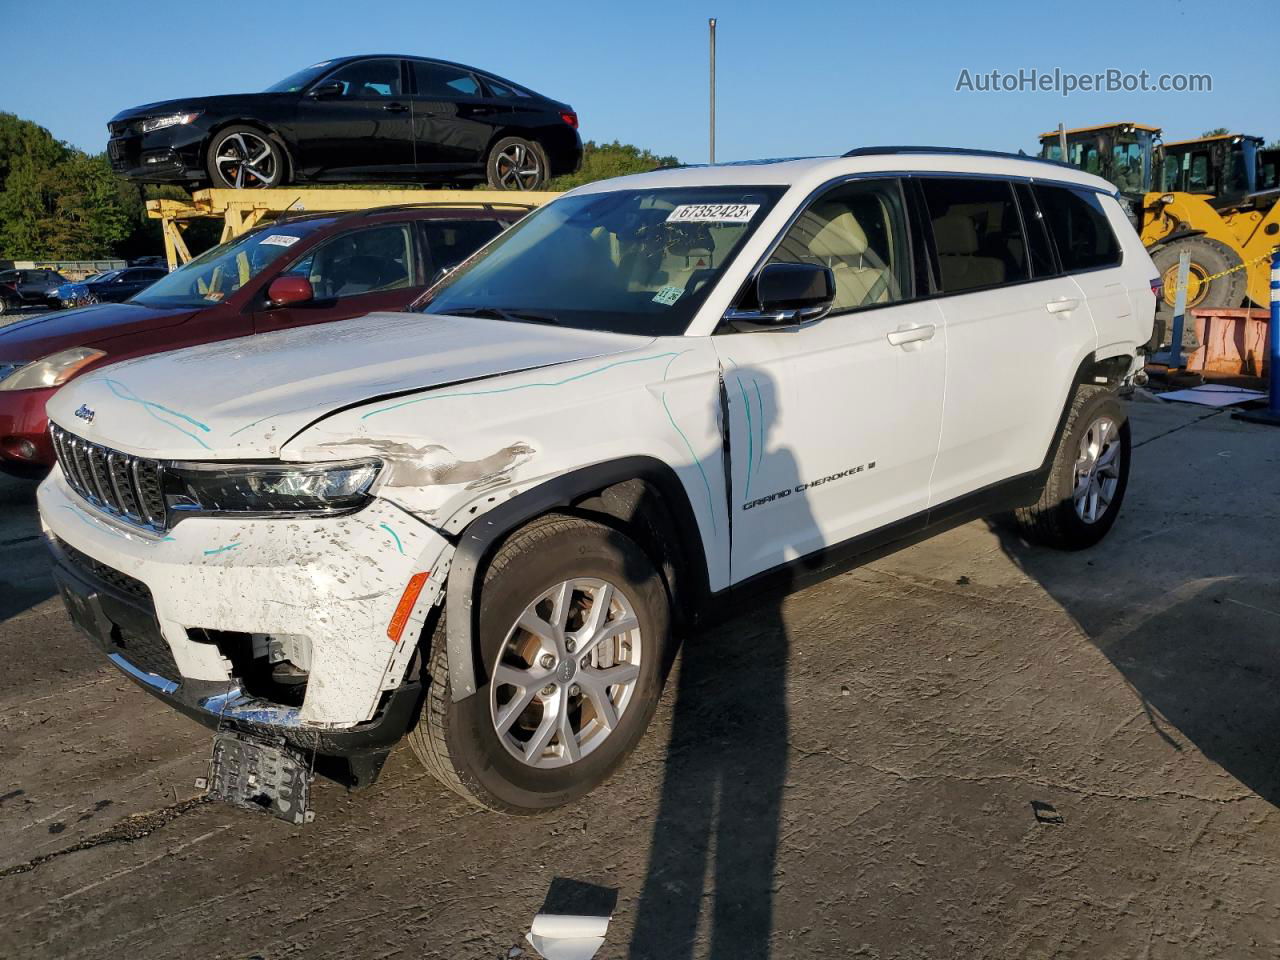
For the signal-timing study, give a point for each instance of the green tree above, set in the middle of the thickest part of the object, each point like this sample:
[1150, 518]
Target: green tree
[603, 160]
[1215, 132]
[57, 202]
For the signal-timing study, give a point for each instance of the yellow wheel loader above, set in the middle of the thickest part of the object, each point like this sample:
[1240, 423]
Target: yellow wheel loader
[1214, 197]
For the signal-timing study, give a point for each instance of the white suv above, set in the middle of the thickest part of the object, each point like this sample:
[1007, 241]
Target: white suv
[480, 523]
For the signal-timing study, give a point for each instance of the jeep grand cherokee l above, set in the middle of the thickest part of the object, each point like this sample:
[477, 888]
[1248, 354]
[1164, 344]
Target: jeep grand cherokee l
[477, 526]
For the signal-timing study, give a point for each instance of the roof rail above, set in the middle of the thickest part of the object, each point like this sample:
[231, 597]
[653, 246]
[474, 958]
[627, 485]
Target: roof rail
[950, 151]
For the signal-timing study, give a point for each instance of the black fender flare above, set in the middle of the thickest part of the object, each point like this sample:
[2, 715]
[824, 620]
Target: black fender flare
[477, 543]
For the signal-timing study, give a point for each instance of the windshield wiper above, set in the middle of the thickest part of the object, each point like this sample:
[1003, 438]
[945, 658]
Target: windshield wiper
[516, 315]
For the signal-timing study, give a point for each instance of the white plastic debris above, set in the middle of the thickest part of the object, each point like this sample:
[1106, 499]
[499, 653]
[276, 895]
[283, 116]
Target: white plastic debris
[564, 937]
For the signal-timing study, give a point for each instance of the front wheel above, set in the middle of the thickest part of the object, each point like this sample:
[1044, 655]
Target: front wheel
[574, 622]
[1087, 481]
[244, 157]
[516, 164]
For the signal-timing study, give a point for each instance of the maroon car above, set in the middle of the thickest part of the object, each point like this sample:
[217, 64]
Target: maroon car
[306, 270]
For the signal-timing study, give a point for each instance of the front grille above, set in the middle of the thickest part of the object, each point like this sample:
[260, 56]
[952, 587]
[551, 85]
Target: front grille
[116, 483]
[109, 575]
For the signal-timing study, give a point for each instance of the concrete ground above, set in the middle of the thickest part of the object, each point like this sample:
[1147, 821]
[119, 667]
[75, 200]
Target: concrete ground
[971, 748]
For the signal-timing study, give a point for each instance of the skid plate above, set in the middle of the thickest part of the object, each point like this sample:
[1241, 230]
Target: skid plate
[260, 775]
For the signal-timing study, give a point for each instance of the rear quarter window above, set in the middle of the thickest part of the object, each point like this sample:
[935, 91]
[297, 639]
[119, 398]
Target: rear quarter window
[1079, 227]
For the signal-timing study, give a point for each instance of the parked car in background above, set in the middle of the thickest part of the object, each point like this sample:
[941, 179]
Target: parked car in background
[302, 271]
[75, 293]
[372, 118]
[29, 288]
[656, 392]
[120, 285]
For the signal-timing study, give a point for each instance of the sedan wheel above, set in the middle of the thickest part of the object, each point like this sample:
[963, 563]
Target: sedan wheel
[244, 158]
[516, 164]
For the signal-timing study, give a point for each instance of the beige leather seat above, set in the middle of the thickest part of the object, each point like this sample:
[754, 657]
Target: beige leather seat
[861, 278]
[958, 260]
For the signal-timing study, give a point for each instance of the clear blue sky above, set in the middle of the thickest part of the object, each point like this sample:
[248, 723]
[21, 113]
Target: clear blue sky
[799, 77]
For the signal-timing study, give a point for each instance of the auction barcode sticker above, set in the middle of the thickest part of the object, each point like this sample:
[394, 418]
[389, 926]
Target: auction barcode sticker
[713, 213]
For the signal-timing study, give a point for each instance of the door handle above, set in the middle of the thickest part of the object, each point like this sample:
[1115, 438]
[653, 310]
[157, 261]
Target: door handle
[394, 107]
[1065, 305]
[905, 336]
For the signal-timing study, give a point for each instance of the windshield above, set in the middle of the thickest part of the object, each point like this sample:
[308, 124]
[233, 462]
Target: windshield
[296, 81]
[216, 274]
[627, 261]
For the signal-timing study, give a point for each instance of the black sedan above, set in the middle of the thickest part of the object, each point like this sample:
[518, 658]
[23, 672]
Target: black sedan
[374, 118]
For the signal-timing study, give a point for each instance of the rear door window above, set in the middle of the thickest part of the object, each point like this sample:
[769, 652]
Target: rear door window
[449, 242]
[1079, 227]
[977, 232]
[438, 81]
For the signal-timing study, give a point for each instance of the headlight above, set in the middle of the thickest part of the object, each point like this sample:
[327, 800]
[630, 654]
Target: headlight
[172, 120]
[292, 488]
[53, 371]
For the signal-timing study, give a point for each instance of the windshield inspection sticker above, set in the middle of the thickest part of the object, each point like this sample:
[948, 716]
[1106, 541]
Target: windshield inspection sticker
[279, 240]
[668, 295]
[713, 213]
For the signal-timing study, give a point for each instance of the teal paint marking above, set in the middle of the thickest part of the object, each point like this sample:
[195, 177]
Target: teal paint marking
[751, 443]
[520, 386]
[229, 546]
[124, 393]
[399, 545]
[711, 506]
[760, 425]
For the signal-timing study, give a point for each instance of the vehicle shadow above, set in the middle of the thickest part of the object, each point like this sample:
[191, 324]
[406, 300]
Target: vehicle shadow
[25, 580]
[1191, 622]
[715, 836]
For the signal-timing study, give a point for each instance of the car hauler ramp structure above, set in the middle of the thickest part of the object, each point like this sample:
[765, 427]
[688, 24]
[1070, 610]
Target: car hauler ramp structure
[242, 210]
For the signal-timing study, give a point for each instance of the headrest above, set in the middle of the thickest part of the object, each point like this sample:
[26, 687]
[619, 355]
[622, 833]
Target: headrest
[955, 234]
[840, 237]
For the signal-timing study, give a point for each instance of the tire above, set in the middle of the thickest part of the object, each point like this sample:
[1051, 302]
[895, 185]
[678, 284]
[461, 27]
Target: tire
[516, 164]
[459, 742]
[5, 307]
[1056, 519]
[268, 166]
[1208, 257]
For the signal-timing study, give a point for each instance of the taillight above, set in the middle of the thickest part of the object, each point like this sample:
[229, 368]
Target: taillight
[569, 117]
[1157, 288]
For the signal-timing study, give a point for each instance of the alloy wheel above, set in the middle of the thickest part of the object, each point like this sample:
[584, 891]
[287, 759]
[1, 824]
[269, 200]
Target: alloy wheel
[566, 673]
[1097, 473]
[246, 160]
[519, 167]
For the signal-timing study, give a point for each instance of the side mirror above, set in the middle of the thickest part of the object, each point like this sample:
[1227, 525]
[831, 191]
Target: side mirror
[789, 293]
[326, 91]
[290, 291]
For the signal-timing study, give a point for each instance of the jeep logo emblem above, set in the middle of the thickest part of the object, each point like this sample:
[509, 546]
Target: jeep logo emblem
[85, 413]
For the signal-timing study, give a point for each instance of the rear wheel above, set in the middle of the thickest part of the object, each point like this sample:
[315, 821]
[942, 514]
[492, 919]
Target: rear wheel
[1208, 259]
[1087, 481]
[244, 157]
[573, 623]
[516, 164]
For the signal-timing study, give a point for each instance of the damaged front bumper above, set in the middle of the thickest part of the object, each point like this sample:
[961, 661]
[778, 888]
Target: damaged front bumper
[181, 614]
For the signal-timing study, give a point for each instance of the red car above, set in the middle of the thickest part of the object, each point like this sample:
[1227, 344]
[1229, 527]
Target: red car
[306, 270]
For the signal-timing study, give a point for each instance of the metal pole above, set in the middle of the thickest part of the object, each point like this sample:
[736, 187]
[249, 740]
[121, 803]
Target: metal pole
[1062, 143]
[1271, 415]
[1179, 310]
[712, 24]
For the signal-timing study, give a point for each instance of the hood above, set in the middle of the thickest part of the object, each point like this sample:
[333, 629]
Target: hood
[236, 101]
[46, 333]
[241, 399]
